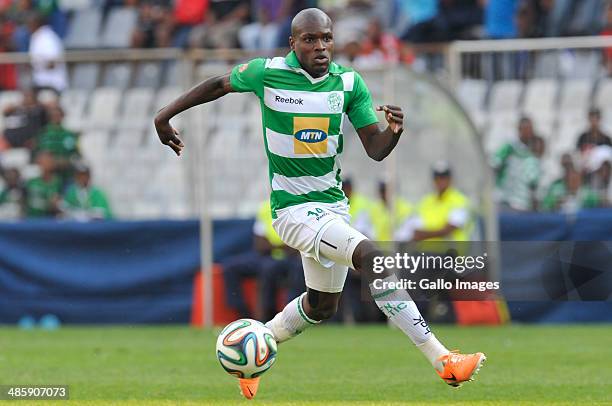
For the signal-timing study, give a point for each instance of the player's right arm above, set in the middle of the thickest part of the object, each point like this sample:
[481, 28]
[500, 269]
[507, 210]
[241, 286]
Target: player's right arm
[246, 77]
[207, 91]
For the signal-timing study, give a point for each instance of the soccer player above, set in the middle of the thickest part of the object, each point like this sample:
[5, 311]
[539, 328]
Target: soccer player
[304, 99]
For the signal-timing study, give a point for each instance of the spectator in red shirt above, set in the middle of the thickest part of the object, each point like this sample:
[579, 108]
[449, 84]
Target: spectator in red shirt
[608, 31]
[382, 47]
[187, 14]
[8, 72]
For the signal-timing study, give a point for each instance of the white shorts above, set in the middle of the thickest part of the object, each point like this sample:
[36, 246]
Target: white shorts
[322, 234]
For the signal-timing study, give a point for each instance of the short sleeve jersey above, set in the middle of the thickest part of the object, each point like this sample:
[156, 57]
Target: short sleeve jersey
[302, 121]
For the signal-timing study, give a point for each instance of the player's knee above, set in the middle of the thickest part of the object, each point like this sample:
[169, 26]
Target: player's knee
[364, 254]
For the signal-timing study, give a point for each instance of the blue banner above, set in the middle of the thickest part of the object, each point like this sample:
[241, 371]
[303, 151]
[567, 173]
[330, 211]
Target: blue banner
[142, 272]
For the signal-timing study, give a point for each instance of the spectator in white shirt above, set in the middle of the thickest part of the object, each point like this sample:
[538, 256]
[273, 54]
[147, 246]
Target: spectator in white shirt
[47, 54]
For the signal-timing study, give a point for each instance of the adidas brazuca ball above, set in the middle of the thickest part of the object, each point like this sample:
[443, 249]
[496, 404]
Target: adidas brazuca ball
[246, 348]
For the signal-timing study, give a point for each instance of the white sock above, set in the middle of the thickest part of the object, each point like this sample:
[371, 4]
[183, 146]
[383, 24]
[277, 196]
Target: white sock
[291, 321]
[398, 306]
[433, 349]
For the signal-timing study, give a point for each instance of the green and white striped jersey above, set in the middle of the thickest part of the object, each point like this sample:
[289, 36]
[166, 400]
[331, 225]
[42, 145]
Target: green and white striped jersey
[302, 121]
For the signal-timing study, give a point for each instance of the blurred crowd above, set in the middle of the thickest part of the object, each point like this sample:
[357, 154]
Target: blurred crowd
[367, 33]
[586, 170]
[58, 182]
[366, 30]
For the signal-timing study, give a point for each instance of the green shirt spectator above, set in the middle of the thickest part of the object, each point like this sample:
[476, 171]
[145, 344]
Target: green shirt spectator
[42, 195]
[60, 142]
[43, 192]
[83, 201]
[570, 195]
[518, 170]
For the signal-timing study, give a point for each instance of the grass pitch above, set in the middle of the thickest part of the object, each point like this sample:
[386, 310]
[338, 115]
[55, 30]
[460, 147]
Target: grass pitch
[329, 365]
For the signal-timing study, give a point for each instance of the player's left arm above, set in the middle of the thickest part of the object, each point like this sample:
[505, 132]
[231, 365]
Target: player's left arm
[379, 144]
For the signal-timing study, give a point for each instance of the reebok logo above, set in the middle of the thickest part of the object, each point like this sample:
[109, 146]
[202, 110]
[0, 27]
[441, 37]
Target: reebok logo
[289, 100]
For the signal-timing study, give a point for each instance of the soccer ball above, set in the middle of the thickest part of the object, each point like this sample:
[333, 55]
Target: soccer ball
[246, 348]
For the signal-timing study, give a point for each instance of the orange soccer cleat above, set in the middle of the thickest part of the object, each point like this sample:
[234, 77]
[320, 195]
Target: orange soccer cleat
[248, 387]
[459, 368]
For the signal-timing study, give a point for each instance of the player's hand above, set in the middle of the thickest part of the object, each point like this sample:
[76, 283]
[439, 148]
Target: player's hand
[394, 116]
[168, 135]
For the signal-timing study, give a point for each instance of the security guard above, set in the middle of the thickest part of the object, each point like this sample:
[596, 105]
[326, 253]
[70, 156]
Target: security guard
[385, 222]
[443, 215]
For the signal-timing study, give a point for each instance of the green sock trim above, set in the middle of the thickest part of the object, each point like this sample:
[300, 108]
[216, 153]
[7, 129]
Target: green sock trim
[302, 313]
[383, 294]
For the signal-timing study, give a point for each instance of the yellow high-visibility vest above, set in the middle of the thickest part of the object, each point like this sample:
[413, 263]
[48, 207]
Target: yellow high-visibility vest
[434, 211]
[264, 216]
[384, 225]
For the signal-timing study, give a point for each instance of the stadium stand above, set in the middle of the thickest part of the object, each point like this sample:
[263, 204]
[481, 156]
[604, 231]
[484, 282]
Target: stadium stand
[111, 103]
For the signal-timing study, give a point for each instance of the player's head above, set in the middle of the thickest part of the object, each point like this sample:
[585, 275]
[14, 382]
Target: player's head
[442, 175]
[312, 40]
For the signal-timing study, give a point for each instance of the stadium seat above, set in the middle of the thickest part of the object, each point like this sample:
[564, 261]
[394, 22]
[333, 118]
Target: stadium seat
[15, 158]
[47, 96]
[544, 123]
[120, 24]
[606, 120]
[144, 210]
[177, 209]
[73, 102]
[73, 5]
[84, 29]
[603, 94]
[136, 111]
[471, 93]
[566, 138]
[85, 76]
[117, 75]
[576, 96]
[165, 95]
[148, 74]
[93, 145]
[103, 108]
[505, 96]
[546, 64]
[130, 140]
[7, 98]
[501, 131]
[581, 64]
[233, 105]
[30, 171]
[540, 96]
[172, 73]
